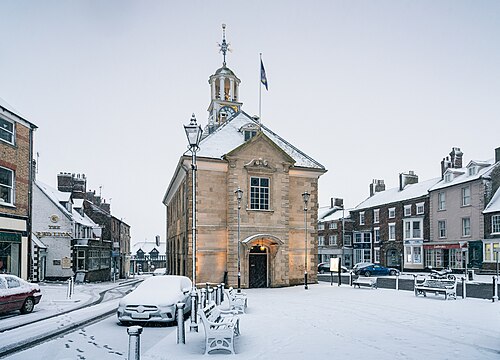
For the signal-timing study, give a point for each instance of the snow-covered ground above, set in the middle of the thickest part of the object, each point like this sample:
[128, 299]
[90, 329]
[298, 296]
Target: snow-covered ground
[331, 321]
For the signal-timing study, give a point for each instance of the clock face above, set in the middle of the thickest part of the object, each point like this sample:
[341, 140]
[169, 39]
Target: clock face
[228, 110]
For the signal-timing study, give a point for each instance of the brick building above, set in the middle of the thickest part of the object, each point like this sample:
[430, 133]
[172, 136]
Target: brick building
[335, 233]
[16, 174]
[237, 151]
[492, 232]
[391, 226]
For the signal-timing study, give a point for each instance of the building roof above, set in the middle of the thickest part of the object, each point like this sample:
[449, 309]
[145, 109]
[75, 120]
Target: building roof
[6, 106]
[57, 197]
[410, 191]
[229, 136]
[463, 174]
[148, 246]
[337, 215]
[494, 204]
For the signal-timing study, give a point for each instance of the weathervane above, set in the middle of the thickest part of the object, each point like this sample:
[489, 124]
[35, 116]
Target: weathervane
[224, 47]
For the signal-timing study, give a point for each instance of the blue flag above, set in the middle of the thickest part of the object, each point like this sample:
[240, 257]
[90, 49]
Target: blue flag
[263, 78]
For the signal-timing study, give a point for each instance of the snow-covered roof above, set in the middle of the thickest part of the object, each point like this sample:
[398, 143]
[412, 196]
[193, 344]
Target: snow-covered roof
[5, 105]
[38, 242]
[494, 204]
[464, 176]
[410, 191]
[337, 215]
[78, 203]
[148, 246]
[57, 197]
[228, 137]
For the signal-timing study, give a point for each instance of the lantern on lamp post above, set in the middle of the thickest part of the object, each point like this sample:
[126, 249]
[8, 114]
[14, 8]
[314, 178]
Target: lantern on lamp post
[193, 134]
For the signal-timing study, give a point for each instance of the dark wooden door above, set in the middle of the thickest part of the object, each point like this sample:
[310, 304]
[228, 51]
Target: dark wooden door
[258, 268]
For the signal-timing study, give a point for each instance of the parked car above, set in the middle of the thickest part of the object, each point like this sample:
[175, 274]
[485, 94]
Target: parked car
[160, 271]
[153, 301]
[368, 269]
[325, 267]
[17, 294]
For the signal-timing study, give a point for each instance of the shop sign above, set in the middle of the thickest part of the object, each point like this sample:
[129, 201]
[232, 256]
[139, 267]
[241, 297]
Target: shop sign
[362, 246]
[10, 237]
[66, 263]
[41, 234]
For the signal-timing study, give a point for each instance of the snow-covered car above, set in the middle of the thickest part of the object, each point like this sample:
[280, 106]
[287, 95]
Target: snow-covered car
[153, 301]
[160, 271]
[369, 269]
[17, 294]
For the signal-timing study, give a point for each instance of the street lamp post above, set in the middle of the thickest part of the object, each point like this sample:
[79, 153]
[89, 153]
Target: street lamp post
[305, 197]
[239, 196]
[193, 134]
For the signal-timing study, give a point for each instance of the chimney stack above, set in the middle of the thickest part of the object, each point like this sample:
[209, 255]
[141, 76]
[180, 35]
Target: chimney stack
[456, 158]
[405, 179]
[445, 164]
[376, 186]
[338, 202]
[497, 154]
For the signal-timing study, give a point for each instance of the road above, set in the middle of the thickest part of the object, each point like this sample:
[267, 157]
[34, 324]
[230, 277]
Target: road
[50, 324]
[103, 340]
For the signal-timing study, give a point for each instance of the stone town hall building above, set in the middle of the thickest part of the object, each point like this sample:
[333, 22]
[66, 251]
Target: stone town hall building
[237, 151]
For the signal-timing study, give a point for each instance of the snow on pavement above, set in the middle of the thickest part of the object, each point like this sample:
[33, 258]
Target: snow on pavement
[343, 322]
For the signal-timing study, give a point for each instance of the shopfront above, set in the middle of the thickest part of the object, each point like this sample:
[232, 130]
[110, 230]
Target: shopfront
[10, 253]
[443, 255]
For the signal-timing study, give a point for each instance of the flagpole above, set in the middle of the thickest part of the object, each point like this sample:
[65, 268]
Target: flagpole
[260, 90]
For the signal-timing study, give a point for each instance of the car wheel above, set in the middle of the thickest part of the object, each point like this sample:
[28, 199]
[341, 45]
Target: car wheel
[28, 306]
[367, 273]
[322, 271]
[392, 272]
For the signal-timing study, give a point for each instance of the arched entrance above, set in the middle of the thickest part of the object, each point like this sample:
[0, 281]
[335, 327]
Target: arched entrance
[258, 263]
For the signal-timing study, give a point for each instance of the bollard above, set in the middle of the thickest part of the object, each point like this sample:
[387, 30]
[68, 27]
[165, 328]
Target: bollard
[194, 314]
[464, 288]
[222, 286]
[397, 281]
[415, 283]
[495, 289]
[203, 300]
[350, 278]
[210, 297]
[134, 342]
[181, 331]
[217, 295]
[69, 292]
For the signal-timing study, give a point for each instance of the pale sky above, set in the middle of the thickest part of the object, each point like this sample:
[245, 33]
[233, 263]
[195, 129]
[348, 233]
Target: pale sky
[369, 89]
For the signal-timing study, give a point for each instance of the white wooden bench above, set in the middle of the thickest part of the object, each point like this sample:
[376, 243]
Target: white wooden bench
[365, 281]
[446, 287]
[237, 301]
[220, 328]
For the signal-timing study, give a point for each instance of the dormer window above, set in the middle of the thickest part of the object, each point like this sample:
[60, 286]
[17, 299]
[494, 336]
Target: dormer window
[472, 171]
[249, 130]
[250, 134]
[447, 178]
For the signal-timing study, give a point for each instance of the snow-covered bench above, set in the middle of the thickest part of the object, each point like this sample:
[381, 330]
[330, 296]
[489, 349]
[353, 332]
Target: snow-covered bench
[220, 328]
[446, 287]
[365, 281]
[237, 301]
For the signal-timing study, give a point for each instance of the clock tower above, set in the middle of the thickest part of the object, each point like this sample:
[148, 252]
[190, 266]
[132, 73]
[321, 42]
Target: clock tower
[224, 90]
